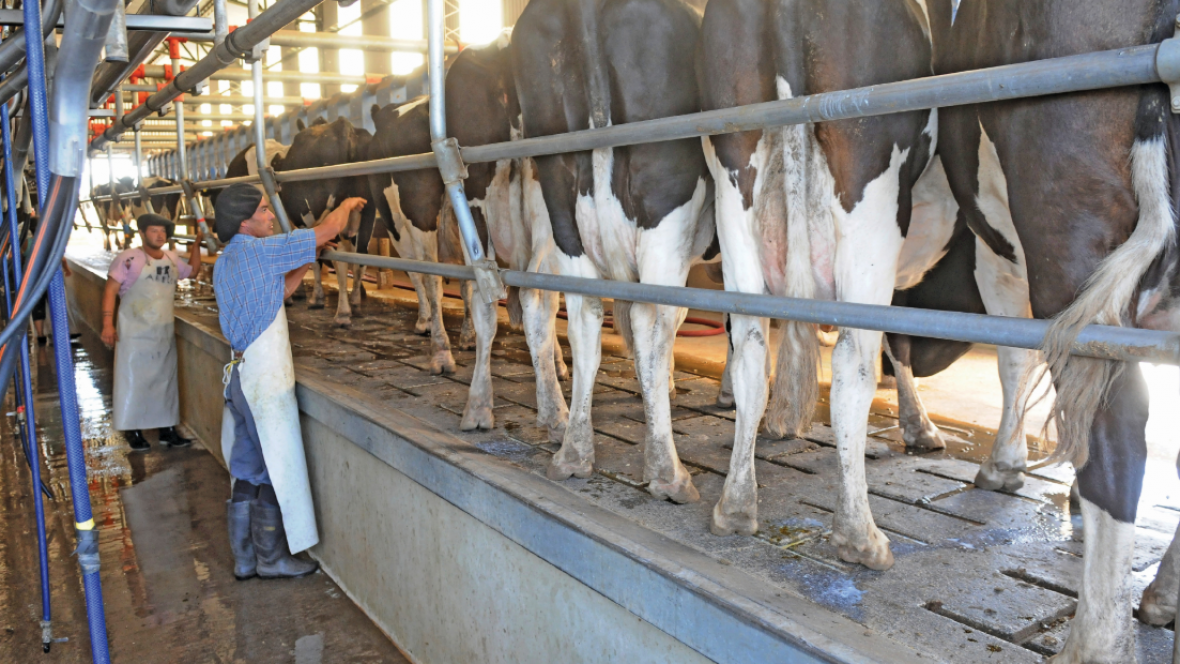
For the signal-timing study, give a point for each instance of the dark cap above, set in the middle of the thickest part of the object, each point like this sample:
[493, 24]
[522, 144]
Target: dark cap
[148, 220]
[234, 205]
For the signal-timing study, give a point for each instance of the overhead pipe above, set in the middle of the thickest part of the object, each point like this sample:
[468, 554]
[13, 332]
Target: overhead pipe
[12, 50]
[234, 47]
[167, 71]
[450, 163]
[140, 45]
[297, 38]
[116, 46]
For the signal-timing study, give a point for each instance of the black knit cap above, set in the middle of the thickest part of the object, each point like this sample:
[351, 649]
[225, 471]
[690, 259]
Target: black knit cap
[146, 221]
[234, 205]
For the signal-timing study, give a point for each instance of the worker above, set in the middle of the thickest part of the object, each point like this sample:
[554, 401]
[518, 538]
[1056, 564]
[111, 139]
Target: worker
[144, 279]
[270, 513]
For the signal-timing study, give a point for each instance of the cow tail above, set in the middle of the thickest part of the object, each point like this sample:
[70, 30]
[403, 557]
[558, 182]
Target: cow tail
[584, 16]
[795, 390]
[1106, 298]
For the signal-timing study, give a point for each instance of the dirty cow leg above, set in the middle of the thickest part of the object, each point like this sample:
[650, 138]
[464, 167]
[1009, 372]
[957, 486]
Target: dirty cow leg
[1004, 468]
[1110, 484]
[653, 329]
[539, 309]
[725, 394]
[467, 333]
[343, 311]
[358, 287]
[478, 413]
[422, 325]
[441, 360]
[919, 433]
[576, 456]
[317, 294]
[1158, 605]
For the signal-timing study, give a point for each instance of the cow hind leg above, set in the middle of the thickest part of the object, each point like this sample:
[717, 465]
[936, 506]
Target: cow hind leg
[358, 289]
[576, 456]
[422, 325]
[725, 393]
[343, 310]
[1158, 605]
[441, 360]
[539, 313]
[654, 331]
[317, 293]
[737, 511]
[478, 412]
[918, 432]
[467, 333]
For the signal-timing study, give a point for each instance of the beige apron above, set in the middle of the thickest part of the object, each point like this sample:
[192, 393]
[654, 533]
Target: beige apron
[146, 394]
[268, 383]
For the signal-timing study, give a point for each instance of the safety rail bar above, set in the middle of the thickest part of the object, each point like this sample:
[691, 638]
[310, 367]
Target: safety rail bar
[1136, 65]
[1104, 342]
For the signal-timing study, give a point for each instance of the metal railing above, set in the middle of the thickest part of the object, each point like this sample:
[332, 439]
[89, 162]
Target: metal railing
[1136, 65]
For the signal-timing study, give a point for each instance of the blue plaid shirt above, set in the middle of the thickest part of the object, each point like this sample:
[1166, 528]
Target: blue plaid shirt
[248, 281]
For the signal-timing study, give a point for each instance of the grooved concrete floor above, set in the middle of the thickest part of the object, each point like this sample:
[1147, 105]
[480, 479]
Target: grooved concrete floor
[979, 577]
[166, 571]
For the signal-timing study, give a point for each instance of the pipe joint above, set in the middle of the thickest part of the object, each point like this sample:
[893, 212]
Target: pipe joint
[450, 161]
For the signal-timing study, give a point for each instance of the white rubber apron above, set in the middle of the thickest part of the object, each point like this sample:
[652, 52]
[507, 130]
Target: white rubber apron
[146, 394]
[268, 383]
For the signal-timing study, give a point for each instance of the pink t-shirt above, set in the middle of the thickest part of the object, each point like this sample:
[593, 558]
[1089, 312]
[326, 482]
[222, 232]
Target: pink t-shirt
[127, 266]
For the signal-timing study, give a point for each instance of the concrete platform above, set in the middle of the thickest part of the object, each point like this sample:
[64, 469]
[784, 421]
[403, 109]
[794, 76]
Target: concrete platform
[459, 549]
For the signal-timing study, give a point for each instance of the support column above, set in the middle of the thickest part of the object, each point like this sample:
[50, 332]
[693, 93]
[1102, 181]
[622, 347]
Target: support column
[375, 24]
[328, 20]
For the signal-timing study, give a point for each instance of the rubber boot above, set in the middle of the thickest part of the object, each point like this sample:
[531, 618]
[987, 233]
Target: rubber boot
[170, 437]
[240, 542]
[270, 544]
[137, 442]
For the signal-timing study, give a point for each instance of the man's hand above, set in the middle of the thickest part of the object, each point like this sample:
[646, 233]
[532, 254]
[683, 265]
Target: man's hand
[109, 335]
[336, 221]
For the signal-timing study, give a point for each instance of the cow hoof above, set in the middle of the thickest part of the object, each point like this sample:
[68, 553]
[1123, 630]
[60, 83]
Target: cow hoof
[442, 364]
[563, 372]
[477, 417]
[679, 490]
[342, 322]
[725, 399]
[873, 553]
[422, 327]
[556, 432]
[558, 471]
[315, 305]
[1155, 609]
[993, 478]
[928, 440]
[739, 522]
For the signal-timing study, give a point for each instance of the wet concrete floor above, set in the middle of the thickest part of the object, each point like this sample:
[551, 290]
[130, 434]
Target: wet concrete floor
[979, 576]
[166, 574]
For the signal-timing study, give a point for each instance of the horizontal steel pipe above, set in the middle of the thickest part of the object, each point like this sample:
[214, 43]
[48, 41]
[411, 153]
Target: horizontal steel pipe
[1098, 341]
[296, 38]
[1106, 69]
[152, 22]
[157, 71]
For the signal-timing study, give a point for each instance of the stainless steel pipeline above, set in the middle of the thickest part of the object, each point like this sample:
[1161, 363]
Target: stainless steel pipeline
[1078, 73]
[1098, 341]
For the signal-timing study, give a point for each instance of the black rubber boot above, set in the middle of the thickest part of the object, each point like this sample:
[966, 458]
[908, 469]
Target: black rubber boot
[137, 442]
[240, 540]
[270, 544]
[170, 438]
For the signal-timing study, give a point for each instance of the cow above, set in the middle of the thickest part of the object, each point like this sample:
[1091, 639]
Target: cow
[115, 212]
[951, 286]
[327, 144]
[1081, 191]
[635, 213]
[244, 163]
[164, 204]
[481, 108]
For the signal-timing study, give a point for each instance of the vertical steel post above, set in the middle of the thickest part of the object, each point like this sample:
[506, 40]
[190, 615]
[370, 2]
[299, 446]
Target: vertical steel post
[264, 171]
[26, 385]
[87, 536]
[220, 22]
[450, 162]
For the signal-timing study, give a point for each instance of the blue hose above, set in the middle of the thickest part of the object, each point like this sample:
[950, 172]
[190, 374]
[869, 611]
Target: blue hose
[27, 387]
[87, 550]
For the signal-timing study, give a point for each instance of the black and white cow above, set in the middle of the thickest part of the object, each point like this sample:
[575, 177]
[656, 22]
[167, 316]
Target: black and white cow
[481, 108]
[306, 202]
[116, 212]
[1080, 191]
[244, 163]
[164, 204]
[631, 213]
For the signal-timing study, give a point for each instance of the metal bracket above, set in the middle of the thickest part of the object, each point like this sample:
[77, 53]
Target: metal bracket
[191, 194]
[270, 185]
[1167, 65]
[146, 198]
[450, 160]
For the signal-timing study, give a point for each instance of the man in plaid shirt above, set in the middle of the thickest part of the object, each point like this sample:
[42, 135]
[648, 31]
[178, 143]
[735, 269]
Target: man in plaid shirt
[270, 514]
